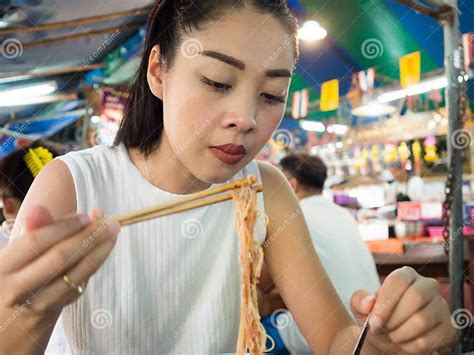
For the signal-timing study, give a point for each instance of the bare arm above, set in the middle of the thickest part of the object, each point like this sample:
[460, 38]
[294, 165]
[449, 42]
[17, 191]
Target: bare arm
[54, 190]
[53, 240]
[298, 273]
[408, 313]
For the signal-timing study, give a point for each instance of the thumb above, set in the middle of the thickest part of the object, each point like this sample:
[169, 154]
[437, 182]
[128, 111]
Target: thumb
[36, 217]
[362, 302]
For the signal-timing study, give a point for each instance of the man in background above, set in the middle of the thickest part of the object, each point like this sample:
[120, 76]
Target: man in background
[334, 232]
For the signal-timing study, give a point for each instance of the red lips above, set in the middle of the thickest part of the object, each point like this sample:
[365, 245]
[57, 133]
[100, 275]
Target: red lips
[229, 153]
[231, 148]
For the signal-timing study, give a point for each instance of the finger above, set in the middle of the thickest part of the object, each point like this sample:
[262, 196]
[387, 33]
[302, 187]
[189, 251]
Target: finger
[362, 302]
[435, 339]
[389, 294]
[63, 256]
[96, 214]
[58, 294]
[420, 323]
[36, 217]
[417, 296]
[35, 242]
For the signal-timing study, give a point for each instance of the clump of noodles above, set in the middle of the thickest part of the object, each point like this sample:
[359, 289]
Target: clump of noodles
[252, 335]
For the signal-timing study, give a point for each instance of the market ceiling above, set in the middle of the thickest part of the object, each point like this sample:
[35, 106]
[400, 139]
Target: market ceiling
[396, 28]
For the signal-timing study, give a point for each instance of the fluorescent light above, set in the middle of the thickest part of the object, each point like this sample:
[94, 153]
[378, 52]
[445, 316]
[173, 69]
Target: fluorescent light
[312, 126]
[312, 31]
[425, 86]
[373, 109]
[23, 95]
[339, 129]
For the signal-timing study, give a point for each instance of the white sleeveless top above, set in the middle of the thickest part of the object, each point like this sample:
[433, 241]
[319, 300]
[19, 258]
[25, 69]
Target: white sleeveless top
[170, 285]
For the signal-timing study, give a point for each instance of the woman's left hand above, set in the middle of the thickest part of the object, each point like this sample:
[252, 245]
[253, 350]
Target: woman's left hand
[408, 314]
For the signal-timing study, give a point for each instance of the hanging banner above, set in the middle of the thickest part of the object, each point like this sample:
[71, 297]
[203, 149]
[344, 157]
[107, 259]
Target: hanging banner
[410, 68]
[300, 104]
[467, 40]
[330, 95]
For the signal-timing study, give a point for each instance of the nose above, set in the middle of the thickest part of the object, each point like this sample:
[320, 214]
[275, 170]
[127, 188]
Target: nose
[241, 115]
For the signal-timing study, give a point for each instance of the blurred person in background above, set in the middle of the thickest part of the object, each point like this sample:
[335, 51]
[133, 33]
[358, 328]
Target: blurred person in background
[404, 186]
[15, 181]
[335, 236]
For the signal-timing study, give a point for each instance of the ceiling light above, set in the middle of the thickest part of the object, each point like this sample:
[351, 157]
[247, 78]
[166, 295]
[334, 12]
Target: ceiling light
[312, 31]
[312, 126]
[23, 95]
[424, 86]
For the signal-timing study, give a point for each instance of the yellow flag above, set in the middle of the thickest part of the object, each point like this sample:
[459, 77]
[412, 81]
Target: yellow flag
[410, 69]
[330, 95]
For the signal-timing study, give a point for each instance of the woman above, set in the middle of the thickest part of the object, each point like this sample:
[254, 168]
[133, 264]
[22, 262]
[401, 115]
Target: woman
[210, 91]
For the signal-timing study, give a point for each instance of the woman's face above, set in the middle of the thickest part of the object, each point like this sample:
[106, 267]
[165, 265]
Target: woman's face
[227, 86]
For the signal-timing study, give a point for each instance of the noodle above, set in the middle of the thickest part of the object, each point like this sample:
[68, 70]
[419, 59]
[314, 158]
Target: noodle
[252, 335]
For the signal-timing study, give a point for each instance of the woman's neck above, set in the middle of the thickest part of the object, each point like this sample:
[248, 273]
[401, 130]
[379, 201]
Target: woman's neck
[165, 171]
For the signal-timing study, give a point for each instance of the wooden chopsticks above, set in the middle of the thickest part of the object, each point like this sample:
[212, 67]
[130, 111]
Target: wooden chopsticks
[198, 199]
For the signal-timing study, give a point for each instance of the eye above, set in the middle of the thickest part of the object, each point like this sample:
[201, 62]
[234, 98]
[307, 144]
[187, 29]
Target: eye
[273, 100]
[215, 86]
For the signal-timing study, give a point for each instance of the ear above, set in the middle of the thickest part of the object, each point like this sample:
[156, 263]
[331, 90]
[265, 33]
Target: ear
[155, 73]
[10, 206]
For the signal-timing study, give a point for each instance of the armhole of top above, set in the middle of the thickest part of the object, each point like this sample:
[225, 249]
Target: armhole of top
[79, 181]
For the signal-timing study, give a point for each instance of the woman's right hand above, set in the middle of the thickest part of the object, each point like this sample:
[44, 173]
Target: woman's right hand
[32, 289]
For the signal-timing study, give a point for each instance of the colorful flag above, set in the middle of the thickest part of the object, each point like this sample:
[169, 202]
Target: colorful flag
[366, 80]
[410, 67]
[300, 104]
[467, 40]
[330, 95]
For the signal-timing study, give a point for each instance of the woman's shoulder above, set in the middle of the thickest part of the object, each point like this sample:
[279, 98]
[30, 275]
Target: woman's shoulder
[96, 153]
[272, 177]
[98, 160]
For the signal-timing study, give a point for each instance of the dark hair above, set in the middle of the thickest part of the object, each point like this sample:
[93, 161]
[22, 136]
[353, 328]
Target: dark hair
[308, 170]
[142, 124]
[15, 177]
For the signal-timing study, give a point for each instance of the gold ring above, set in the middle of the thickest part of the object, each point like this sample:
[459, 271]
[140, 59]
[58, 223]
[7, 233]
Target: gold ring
[78, 288]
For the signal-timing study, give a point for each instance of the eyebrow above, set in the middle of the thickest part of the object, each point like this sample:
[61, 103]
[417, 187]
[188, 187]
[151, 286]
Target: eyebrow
[271, 73]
